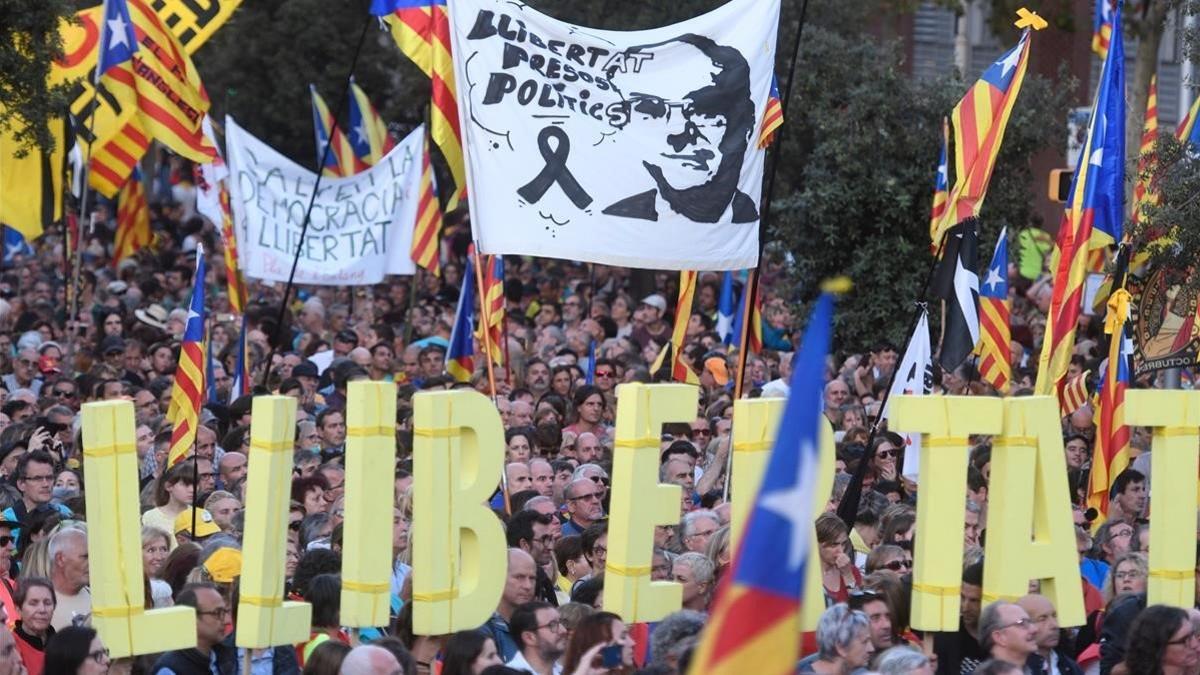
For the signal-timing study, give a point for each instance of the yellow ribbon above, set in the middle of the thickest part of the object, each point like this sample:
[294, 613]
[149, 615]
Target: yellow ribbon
[1177, 431]
[1015, 442]
[1174, 575]
[646, 441]
[260, 445]
[434, 596]
[1118, 310]
[117, 612]
[752, 446]
[370, 432]
[260, 601]
[360, 587]
[947, 442]
[110, 450]
[933, 589]
[435, 432]
[631, 572]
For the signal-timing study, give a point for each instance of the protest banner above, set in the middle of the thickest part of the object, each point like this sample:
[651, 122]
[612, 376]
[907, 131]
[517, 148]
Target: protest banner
[360, 228]
[1165, 334]
[624, 148]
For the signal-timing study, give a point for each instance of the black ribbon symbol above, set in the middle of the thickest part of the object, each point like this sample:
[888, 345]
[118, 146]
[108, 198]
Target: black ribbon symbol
[555, 170]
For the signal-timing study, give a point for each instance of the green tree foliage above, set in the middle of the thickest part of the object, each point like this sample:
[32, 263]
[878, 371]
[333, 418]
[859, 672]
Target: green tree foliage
[29, 44]
[854, 188]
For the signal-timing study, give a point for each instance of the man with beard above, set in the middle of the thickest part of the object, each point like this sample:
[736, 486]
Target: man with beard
[541, 636]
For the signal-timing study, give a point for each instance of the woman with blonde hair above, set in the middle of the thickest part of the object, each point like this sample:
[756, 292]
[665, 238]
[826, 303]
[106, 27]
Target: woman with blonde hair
[156, 546]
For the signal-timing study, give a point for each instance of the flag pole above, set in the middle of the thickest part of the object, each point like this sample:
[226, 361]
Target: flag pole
[287, 289]
[764, 219]
[76, 279]
[848, 508]
[487, 334]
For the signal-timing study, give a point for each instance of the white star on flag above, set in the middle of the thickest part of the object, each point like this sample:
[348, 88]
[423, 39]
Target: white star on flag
[993, 278]
[1097, 158]
[118, 33]
[361, 132]
[794, 504]
[1010, 61]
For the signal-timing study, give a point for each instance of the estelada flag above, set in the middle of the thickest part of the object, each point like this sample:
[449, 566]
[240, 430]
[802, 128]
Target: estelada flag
[188, 395]
[754, 623]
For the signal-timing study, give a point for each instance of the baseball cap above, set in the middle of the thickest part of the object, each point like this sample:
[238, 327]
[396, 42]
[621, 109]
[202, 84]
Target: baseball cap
[112, 343]
[224, 565]
[205, 526]
[655, 300]
[716, 366]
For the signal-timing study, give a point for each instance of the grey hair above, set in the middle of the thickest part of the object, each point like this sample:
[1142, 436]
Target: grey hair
[990, 622]
[532, 503]
[838, 627]
[672, 630]
[688, 524]
[702, 568]
[579, 472]
[900, 661]
[60, 541]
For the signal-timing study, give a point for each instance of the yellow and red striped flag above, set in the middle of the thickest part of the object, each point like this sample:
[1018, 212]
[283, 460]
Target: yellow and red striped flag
[491, 306]
[773, 117]
[941, 188]
[156, 87]
[1094, 215]
[1142, 194]
[421, 28]
[425, 249]
[233, 275]
[994, 332]
[368, 132]
[341, 159]
[187, 397]
[1112, 435]
[1074, 393]
[681, 371]
[980, 119]
[133, 219]
[1102, 27]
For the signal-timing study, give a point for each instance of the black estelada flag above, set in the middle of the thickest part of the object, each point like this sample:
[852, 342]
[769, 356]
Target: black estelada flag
[957, 284]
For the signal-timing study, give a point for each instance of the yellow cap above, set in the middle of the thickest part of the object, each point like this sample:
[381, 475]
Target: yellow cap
[205, 526]
[224, 565]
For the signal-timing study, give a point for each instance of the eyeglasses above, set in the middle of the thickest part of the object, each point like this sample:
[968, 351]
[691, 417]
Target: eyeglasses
[702, 432]
[886, 454]
[593, 495]
[6, 540]
[1120, 534]
[38, 479]
[64, 394]
[99, 656]
[1131, 574]
[1019, 623]
[897, 565]
[600, 480]
[556, 624]
[1184, 640]
[604, 373]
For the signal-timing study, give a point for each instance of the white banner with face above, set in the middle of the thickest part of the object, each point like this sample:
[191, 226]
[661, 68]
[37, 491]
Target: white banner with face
[626, 148]
[361, 225]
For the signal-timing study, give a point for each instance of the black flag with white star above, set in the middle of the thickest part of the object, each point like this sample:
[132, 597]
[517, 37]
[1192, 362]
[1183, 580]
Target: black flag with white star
[957, 284]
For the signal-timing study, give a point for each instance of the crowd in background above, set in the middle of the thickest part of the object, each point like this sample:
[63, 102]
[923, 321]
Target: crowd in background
[558, 405]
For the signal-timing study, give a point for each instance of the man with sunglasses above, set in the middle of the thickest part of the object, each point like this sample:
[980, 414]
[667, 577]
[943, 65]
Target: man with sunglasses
[1007, 633]
[211, 655]
[584, 507]
[25, 373]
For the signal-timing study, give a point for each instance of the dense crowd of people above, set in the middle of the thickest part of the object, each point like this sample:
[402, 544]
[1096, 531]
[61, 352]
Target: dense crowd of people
[558, 407]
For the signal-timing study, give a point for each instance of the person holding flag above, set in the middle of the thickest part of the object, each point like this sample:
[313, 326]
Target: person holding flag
[754, 623]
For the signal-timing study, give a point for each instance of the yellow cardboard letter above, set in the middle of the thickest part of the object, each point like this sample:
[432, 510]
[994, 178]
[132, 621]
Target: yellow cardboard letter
[264, 619]
[945, 422]
[639, 501]
[755, 423]
[1033, 535]
[458, 450]
[370, 493]
[115, 547]
[1175, 417]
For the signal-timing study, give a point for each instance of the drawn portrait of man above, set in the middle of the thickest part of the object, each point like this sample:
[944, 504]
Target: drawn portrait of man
[705, 119]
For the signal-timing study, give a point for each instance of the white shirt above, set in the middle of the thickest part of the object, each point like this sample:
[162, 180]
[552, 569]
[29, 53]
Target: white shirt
[518, 662]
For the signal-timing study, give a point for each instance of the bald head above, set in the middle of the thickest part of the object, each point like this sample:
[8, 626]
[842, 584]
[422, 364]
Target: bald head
[361, 356]
[370, 660]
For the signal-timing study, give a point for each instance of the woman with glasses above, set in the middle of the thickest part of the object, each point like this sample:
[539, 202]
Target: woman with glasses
[76, 650]
[889, 558]
[1161, 642]
[35, 600]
